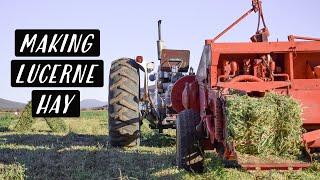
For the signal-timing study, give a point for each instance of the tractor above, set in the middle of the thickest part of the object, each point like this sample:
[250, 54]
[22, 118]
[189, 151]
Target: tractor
[195, 103]
[128, 104]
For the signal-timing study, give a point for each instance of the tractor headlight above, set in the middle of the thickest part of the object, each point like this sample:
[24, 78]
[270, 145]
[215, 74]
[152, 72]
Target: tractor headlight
[150, 67]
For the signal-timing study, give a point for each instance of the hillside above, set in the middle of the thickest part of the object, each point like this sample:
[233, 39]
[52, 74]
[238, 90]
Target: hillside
[92, 103]
[10, 105]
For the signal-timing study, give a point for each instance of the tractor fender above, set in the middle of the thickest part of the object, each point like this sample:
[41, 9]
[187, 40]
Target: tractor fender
[180, 93]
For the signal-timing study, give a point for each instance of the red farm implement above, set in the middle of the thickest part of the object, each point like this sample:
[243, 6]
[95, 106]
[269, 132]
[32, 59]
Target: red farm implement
[199, 99]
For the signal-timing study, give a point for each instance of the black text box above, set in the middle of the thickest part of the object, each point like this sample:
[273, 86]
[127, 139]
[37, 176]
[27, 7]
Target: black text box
[55, 103]
[57, 42]
[66, 73]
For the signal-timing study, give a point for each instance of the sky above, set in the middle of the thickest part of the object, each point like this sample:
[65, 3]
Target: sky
[129, 28]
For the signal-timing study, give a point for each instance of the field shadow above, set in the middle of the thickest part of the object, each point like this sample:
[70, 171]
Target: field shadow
[77, 156]
[4, 129]
[74, 139]
[71, 139]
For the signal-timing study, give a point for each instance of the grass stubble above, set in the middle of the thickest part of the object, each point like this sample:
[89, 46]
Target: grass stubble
[84, 153]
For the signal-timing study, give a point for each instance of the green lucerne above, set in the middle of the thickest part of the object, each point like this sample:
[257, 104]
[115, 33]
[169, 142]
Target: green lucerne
[269, 125]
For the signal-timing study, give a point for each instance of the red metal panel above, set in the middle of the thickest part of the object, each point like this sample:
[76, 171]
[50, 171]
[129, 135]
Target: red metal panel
[265, 47]
[176, 92]
[303, 62]
[307, 84]
[209, 126]
[203, 99]
[254, 86]
[311, 136]
[314, 144]
[276, 166]
[310, 100]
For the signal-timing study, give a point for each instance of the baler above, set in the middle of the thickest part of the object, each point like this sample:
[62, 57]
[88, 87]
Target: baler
[195, 103]
[289, 68]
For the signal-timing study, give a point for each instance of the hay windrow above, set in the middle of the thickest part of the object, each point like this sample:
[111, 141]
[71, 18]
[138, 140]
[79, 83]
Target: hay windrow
[26, 121]
[269, 125]
[56, 124]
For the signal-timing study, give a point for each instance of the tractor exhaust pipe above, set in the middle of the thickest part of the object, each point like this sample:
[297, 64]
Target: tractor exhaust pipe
[160, 45]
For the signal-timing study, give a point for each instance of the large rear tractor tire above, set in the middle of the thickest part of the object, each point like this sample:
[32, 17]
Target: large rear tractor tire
[189, 153]
[123, 109]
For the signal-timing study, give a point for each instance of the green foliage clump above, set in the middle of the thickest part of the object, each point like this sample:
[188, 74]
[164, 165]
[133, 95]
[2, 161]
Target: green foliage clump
[5, 121]
[26, 121]
[269, 125]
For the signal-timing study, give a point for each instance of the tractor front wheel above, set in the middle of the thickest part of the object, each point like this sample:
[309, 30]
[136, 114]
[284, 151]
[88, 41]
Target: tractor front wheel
[189, 153]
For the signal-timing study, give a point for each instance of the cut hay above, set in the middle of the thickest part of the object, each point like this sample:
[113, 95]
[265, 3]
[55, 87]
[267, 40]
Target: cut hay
[269, 125]
[56, 124]
[26, 121]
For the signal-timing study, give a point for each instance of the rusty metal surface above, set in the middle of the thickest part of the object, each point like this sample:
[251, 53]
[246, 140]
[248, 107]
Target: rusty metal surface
[218, 120]
[205, 60]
